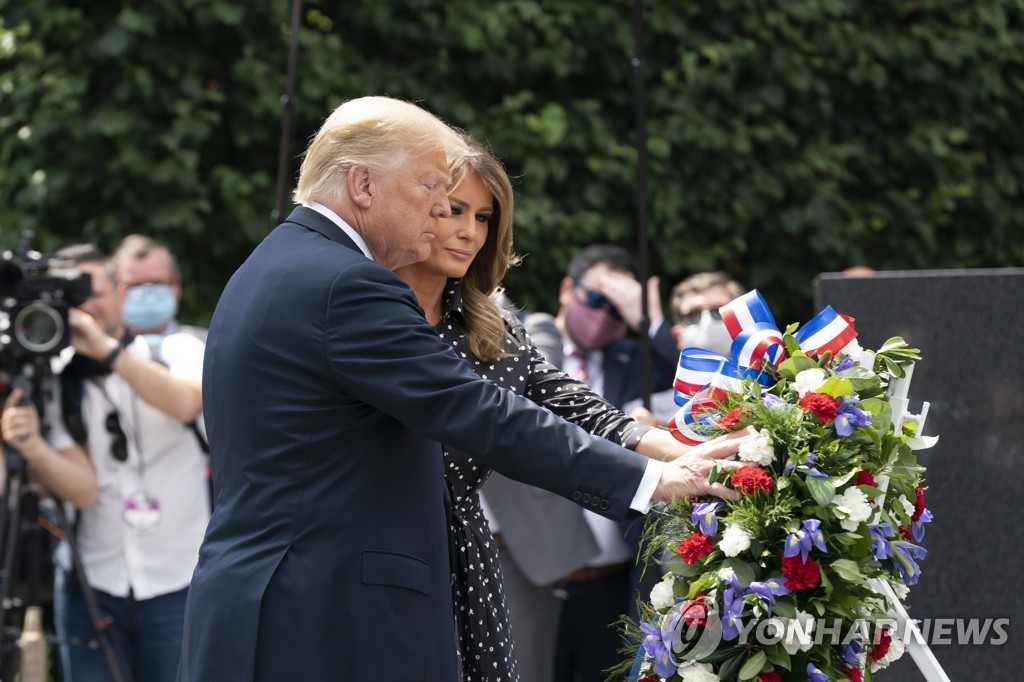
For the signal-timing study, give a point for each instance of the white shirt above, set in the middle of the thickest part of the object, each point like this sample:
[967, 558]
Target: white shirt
[345, 227]
[164, 460]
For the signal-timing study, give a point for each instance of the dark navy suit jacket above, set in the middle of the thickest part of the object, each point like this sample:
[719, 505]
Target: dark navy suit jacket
[326, 393]
[623, 370]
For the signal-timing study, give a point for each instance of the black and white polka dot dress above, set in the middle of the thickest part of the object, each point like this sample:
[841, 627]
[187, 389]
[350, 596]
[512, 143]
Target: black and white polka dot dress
[485, 643]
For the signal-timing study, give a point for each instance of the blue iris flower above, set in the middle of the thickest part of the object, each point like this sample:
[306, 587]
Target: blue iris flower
[905, 556]
[672, 634]
[801, 541]
[850, 652]
[774, 402]
[880, 534]
[658, 650]
[846, 364]
[815, 675]
[732, 616]
[727, 575]
[917, 527]
[809, 470]
[766, 592]
[805, 468]
[776, 586]
[704, 515]
[849, 416]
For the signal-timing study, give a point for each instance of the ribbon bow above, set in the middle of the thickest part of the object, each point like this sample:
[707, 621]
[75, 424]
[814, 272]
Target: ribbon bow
[704, 378]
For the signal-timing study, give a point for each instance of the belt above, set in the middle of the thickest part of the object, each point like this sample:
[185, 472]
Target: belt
[589, 573]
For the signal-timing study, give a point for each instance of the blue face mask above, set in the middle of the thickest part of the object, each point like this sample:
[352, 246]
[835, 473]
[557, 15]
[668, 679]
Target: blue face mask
[149, 307]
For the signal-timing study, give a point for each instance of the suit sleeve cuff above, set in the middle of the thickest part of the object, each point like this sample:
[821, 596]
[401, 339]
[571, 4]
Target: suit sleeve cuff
[642, 500]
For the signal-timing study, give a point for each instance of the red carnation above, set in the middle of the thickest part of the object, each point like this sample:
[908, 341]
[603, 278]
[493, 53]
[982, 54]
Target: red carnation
[853, 674]
[905, 532]
[800, 575]
[695, 612]
[693, 548]
[752, 479]
[731, 418]
[918, 504]
[769, 677]
[865, 478]
[882, 648]
[825, 406]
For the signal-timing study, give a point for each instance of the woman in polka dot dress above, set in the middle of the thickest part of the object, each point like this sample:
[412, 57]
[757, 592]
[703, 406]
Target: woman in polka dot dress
[456, 286]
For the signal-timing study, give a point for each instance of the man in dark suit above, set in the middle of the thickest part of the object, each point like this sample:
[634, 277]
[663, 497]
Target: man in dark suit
[569, 574]
[326, 393]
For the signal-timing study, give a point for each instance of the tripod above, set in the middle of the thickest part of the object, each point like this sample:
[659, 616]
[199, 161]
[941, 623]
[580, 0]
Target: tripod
[23, 536]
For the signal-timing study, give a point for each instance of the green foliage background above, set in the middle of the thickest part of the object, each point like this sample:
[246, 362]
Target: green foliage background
[784, 139]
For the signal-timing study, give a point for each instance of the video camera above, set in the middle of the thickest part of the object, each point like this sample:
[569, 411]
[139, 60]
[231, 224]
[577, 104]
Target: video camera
[36, 293]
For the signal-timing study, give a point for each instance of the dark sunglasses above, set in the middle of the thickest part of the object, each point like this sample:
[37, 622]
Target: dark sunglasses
[595, 299]
[693, 317]
[119, 444]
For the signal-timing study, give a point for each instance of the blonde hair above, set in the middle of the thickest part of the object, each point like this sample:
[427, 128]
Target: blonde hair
[699, 282]
[377, 132]
[485, 326]
[137, 247]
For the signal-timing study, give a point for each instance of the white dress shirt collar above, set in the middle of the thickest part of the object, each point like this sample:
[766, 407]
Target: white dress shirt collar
[345, 227]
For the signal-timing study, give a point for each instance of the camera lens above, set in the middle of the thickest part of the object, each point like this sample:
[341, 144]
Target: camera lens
[38, 328]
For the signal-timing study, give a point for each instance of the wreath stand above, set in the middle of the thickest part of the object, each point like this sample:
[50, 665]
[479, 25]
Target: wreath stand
[913, 640]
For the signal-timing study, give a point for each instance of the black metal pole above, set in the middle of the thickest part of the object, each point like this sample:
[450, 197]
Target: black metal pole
[640, 113]
[287, 108]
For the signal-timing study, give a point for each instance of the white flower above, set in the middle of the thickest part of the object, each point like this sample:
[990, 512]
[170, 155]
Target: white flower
[907, 506]
[734, 540]
[799, 633]
[900, 589]
[895, 652]
[809, 380]
[661, 594]
[691, 671]
[853, 349]
[854, 504]
[758, 448]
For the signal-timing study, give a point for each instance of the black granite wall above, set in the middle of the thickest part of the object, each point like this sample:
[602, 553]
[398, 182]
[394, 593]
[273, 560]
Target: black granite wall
[969, 325]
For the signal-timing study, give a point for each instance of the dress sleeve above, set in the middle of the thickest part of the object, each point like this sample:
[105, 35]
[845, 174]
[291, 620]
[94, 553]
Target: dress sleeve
[574, 401]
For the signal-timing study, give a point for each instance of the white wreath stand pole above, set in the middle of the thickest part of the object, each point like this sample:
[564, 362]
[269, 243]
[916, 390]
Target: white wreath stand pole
[915, 643]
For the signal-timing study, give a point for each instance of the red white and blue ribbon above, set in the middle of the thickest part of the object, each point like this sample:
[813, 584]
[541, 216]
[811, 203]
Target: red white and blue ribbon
[827, 331]
[704, 379]
[753, 330]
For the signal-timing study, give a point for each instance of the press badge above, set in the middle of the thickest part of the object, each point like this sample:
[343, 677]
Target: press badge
[141, 511]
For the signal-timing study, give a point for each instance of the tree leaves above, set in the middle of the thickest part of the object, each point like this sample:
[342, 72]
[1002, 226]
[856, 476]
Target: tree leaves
[782, 142]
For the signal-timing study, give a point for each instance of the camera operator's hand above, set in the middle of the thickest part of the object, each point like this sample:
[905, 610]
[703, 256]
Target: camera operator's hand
[21, 427]
[66, 473]
[87, 337]
[175, 396]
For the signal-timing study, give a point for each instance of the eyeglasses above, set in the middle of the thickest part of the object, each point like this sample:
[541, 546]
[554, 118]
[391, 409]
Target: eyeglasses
[595, 299]
[693, 317]
[119, 444]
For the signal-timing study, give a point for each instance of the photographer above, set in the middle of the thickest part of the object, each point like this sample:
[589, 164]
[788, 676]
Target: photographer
[139, 541]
